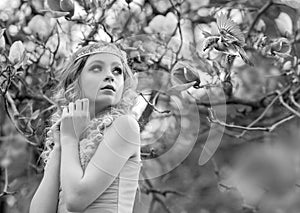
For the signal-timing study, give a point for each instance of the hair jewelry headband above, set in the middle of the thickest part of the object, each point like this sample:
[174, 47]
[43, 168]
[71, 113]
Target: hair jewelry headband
[100, 47]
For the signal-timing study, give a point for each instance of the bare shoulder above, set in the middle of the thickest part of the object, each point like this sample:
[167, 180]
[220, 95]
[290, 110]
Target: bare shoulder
[127, 127]
[128, 122]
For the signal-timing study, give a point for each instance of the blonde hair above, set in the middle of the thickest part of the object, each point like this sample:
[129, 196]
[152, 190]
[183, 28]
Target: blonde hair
[68, 90]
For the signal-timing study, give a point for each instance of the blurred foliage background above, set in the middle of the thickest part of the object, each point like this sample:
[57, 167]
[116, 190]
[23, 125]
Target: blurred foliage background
[235, 62]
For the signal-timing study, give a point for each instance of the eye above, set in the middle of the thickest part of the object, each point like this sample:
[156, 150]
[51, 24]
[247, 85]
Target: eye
[96, 68]
[118, 70]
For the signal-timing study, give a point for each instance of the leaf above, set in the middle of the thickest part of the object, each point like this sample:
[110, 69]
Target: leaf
[2, 31]
[291, 3]
[16, 52]
[209, 149]
[2, 40]
[67, 6]
[196, 4]
[209, 41]
[22, 62]
[40, 26]
[284, 23]
[54, 14]
[35, 114]
[184, 76]
[182, 87]
[260, 26]
[27, 109]
[163, 24]
[214, 138]
[54, 5]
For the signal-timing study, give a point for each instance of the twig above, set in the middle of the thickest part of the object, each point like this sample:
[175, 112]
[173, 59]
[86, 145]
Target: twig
[281, 122]
[5, 188]
[231, 100]
[255, 104]
[287, 106]
[216, 168]
[180, 32]
[12, 104]
[262, 114]
[50, 101]
[47, 109]
[168, 48]
[259, 13]
[250, 209]
[292, 98]
[40, 96]
[226, 187]
[152, 105]
[57, 46]
[36, 168]
[162, 203]
[108, 33]
[163, 192]
[155, 198]
[212, 119]
[15, 113]
[179, 28]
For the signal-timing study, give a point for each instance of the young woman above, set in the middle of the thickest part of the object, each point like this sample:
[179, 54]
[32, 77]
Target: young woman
[93, 149]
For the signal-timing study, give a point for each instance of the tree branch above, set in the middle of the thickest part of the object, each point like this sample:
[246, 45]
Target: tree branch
[213, 119]
[5, 188]
[260, 12]
[286, 105]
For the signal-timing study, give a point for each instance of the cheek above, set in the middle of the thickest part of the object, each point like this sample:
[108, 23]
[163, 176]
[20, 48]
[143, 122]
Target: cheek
[89, 85]
[120, 90]
[121, 86]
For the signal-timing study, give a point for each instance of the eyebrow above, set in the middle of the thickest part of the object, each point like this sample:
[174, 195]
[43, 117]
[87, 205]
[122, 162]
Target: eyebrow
[102, 62]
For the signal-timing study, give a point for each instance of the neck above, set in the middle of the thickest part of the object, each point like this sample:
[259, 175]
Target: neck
[96, 112]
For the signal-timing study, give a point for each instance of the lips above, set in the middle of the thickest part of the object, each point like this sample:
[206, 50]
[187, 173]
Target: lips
[108, 87]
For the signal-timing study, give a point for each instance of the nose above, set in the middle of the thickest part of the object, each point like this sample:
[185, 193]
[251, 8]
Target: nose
[109, 77]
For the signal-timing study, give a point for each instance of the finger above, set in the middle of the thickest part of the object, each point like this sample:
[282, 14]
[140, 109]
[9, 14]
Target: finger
[78, 105]
[85, 104]
[65, 111]
[71, 108]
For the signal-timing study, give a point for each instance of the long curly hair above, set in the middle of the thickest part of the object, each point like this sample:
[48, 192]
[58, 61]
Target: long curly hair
[68, 90]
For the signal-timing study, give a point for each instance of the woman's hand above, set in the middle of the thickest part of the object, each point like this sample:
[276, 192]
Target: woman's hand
[75, 118]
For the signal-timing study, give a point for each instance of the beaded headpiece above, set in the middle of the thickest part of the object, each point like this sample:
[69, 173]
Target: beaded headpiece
[111, 48]
[100, 47]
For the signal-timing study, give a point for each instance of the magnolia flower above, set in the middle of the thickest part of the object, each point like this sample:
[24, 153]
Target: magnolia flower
[2, 40]
[279, 47]
[228, 39]
[17, 54]
[184, 76]
[229, 30]
[62, 7]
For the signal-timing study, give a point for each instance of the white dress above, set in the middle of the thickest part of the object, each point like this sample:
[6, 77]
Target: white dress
[120, 195]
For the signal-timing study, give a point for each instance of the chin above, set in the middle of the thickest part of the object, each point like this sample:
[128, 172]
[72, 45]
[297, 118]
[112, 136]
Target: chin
[105, 102]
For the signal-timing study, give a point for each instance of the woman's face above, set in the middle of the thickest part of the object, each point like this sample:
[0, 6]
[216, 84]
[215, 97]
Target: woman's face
[102, 80]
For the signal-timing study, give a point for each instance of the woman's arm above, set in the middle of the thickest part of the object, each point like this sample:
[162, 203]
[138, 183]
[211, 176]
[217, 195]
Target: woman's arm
[121, 140]
[45, 198]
